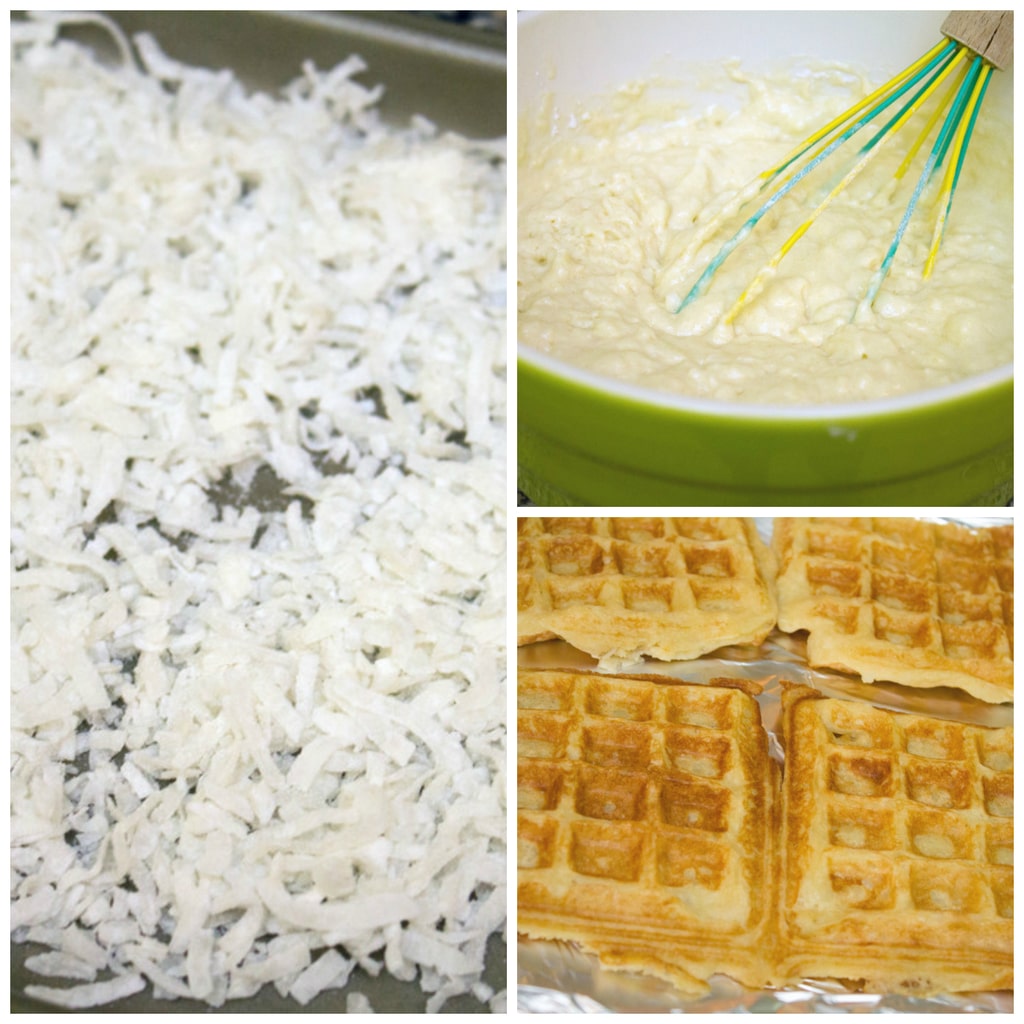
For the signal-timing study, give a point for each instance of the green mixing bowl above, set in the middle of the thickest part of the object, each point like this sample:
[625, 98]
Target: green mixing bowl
[588, 440]
[584, 440]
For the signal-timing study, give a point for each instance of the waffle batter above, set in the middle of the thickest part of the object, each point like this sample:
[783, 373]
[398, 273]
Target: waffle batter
[610, 198]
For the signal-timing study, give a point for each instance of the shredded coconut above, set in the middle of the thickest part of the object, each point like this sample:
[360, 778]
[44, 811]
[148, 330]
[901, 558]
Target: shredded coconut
[258, 534]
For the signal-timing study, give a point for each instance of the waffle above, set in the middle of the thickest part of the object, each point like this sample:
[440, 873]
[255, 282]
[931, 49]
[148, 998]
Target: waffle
[902, 600]
[653, 831]
[622, 589]
[645, 824]
[897, 849]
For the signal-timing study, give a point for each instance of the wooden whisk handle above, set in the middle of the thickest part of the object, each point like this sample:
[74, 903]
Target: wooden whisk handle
[988, 33]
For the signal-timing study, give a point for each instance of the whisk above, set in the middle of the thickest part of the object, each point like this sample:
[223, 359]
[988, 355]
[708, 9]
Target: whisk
[975, 42]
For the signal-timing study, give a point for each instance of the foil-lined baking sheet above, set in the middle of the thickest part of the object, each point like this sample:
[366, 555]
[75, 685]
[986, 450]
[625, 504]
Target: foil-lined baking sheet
[557, 977]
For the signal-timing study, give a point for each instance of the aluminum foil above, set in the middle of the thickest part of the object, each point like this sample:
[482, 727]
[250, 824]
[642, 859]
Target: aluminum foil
[557, 977]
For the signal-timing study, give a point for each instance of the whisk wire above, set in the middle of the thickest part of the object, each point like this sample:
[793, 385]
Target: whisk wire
[865, 154]
[936, 60]
[942, 69]
[954, 117]
[930, 124]
[919, 68]
[956, 162]
[915, 85]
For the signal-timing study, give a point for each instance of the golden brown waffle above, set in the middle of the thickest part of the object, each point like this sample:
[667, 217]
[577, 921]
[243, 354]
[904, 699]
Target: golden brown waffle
[897, 849]
[911, 602]
[645, 824]
[653, 831]
[621, 589]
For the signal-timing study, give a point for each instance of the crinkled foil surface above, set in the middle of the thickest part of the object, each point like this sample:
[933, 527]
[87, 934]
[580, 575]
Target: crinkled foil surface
[556, 977]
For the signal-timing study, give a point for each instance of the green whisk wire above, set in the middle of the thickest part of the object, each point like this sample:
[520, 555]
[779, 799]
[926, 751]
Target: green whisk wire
[949, 186]
[934, 161]
[924, 76]
[892, 91]
[866, 153]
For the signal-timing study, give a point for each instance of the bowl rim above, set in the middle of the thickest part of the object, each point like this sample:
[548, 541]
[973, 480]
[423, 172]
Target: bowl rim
[677, 403]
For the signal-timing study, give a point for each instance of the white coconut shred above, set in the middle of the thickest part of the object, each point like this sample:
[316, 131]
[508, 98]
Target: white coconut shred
[258, 535]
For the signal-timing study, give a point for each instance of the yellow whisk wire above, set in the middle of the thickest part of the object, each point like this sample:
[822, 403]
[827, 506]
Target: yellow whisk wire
[852, 112]
[932, 121]
[867, 155]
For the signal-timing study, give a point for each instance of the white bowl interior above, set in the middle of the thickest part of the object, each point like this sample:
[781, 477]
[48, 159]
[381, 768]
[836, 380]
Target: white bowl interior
[578, 53]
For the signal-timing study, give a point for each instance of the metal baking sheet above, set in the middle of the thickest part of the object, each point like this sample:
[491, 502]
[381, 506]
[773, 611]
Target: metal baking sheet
[557, 977]
[451, 74]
